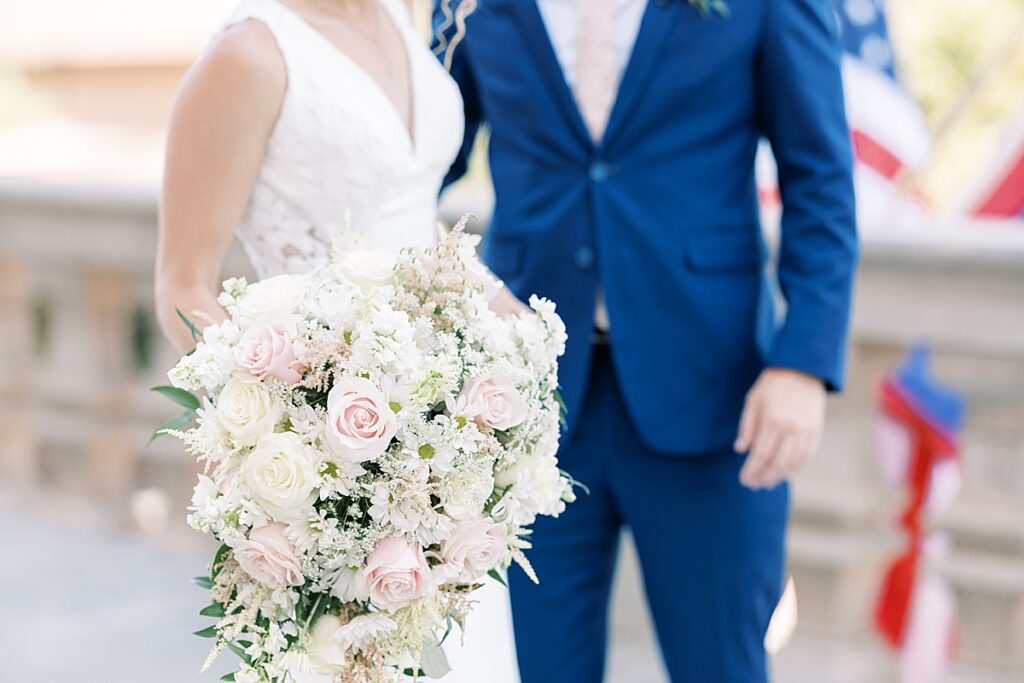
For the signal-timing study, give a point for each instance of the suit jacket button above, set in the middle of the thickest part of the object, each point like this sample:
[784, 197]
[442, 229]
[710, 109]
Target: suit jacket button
[584, 258]
[600, 171]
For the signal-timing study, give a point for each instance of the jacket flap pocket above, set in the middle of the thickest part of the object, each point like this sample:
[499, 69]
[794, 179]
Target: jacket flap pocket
[733, 250]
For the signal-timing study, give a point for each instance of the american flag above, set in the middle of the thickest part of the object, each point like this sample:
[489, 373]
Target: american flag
[889, 132]
[888, 128]
[1000, 192]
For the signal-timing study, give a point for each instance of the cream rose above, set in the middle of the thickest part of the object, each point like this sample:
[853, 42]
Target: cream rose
[496, 402]
[269, 350]
[280, 473]
[474, 548]
[397, 572]
[274, 298]
[324, 651]
[246, 410]
[360, 423]
[269, 557]
[369, 268]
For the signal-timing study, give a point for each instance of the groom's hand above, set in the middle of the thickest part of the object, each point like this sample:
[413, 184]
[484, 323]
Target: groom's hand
[783, 419]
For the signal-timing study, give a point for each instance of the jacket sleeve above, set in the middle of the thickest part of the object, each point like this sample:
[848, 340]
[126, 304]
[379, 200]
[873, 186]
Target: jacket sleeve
[461, 71]
[802, 114]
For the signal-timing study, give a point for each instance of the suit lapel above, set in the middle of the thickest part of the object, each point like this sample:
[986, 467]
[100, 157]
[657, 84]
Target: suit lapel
[535, 35]
[660, 17]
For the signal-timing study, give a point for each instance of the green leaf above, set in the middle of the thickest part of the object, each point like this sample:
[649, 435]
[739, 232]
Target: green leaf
[203, 581]
[497, 577]
[208, 632]
[237, 649]
[196, 332]
[176, 423]
[185, 399]
[228, 677]
[560, 401]
[214, 610]
[218, 559]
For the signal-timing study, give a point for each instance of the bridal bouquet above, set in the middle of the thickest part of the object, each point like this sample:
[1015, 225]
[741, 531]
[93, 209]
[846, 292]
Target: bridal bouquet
[376, 442]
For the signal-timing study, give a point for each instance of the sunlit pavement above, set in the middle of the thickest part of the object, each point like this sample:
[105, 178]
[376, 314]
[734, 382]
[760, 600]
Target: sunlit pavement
[86, 602]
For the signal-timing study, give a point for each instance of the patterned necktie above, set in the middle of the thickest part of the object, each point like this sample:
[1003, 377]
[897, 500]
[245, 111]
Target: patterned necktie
[596, 73]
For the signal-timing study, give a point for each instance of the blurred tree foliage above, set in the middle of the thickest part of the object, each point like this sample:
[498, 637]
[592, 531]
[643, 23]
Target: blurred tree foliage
[19, 101]
[964, 62]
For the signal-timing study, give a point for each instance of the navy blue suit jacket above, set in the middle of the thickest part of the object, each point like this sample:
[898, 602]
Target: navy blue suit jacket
[663, 213]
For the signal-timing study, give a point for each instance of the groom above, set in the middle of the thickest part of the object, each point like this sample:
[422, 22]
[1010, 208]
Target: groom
[623, 135]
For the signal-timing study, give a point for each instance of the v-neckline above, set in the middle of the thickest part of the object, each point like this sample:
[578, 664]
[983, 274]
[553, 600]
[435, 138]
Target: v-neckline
[410, 130]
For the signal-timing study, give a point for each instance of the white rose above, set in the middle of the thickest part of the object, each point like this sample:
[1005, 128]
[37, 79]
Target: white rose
[324, 651]
[461, 509]
[466, 497]
[280, 472]
[247, 410]
[274, 298]
[369, 268]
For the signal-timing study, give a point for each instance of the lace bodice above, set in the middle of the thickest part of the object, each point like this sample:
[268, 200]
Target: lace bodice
[340, 149]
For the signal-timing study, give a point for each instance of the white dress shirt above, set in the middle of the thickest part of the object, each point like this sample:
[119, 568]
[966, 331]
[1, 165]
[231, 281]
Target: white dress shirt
[562, 21]
[561, 18]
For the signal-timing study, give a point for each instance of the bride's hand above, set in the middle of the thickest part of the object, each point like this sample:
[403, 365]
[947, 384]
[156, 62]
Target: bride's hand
[506, 304]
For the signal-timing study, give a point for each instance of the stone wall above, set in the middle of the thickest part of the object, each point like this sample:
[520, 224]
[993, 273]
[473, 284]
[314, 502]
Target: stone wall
[79, 349]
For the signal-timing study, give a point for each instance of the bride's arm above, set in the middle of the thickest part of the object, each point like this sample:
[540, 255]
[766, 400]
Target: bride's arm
[222, 118]
[506, 304]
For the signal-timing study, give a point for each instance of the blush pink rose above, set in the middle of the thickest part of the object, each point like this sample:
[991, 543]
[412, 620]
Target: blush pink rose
[397, 573]
[268, 350]
[360, 423]
[269, 557]
[496, 401]
[474, 548]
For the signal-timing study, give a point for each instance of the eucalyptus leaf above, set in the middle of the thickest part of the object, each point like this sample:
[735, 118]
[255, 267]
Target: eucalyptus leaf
[185, 399]
[203, 581]
[433, 660]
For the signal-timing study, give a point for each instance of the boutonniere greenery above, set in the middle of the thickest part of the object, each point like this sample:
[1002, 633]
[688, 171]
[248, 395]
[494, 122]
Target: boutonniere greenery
[706, 7]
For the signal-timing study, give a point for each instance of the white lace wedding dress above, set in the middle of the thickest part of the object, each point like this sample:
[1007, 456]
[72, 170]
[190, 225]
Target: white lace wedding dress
[339, 153]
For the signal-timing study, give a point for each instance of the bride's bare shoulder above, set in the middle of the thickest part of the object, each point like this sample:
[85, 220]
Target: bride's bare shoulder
[244, 61]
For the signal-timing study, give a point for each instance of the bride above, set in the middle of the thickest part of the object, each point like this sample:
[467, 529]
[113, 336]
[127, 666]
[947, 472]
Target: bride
[303, 116]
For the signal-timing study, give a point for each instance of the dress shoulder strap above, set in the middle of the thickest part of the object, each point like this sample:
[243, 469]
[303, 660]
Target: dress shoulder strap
[276, 17]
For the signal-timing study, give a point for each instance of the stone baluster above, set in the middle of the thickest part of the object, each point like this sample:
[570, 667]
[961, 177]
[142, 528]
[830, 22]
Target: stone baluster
[20, 461]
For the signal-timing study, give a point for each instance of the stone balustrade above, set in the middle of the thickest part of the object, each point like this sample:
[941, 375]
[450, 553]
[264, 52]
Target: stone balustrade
[79, 349]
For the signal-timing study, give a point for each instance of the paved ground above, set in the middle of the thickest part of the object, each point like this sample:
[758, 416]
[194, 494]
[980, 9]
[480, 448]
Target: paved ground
[118, 608]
